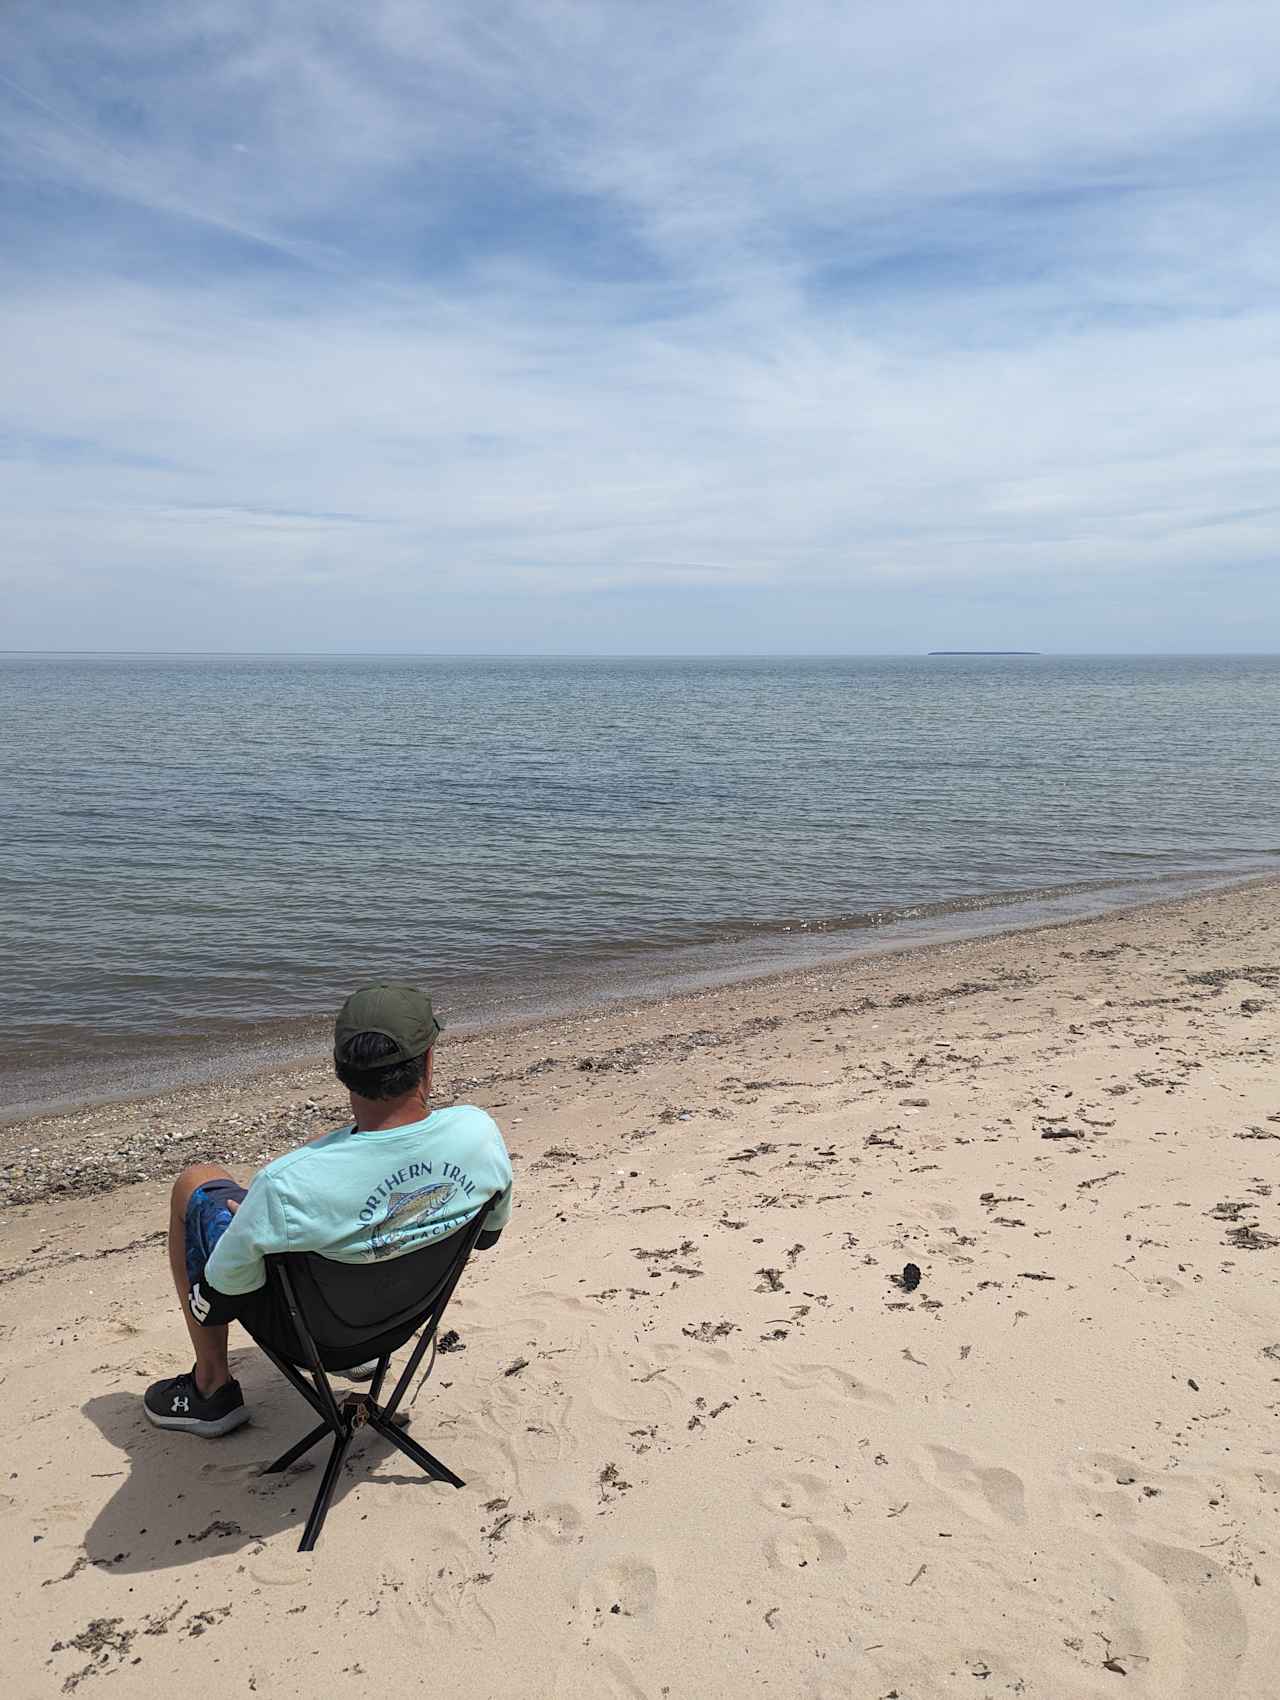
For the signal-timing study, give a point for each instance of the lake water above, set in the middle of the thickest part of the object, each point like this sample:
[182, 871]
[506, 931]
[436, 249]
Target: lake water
[202, 855]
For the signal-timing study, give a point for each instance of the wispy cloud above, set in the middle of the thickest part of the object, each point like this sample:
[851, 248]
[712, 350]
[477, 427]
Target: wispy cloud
[815, 325]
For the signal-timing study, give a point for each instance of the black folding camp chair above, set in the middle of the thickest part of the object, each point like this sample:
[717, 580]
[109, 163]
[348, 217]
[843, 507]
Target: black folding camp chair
[333, 1316]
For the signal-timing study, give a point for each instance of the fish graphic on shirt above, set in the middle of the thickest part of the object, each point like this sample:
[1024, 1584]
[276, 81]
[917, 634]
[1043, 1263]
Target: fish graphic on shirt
[404, 1211]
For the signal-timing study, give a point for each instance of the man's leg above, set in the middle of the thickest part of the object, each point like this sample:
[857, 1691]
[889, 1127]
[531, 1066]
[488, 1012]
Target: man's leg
[210, 1343]
[204, 1401]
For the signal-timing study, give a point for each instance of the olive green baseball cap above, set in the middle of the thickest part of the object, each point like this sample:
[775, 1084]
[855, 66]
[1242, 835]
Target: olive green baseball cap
[398, 1011]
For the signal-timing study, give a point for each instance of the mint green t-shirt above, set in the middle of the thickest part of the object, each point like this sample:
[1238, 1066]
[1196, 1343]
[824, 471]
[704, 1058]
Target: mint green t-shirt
[357, 1197]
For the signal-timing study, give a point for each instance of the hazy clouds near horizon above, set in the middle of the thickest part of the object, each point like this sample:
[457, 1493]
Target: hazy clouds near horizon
[463, 326]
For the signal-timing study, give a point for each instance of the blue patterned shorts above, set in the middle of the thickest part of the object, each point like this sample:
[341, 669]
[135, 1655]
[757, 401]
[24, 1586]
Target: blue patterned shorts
[208, 1218]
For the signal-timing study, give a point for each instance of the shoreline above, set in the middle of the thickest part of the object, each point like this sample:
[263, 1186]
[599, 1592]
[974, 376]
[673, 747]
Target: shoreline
[247, 1118]
[178, 1064]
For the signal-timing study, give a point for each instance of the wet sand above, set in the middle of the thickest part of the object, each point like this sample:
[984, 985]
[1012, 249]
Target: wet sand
[713, 1442]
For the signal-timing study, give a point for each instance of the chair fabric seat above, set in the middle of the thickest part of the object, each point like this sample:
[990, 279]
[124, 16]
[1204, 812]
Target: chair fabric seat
[355, 1311]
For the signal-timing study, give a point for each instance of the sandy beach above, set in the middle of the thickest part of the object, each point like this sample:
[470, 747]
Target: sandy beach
[711, 1445]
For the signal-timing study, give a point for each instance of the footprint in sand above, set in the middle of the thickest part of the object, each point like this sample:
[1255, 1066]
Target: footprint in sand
[545, 1298]
[804, 1545]
[561, 1525]
[615, 1610]
[1109, 1486]
[809, 1378]
[280, 1566]
[455, 1595]
[796, 1492]
[983, 1491]
[626, 1588]
[1197, 1633]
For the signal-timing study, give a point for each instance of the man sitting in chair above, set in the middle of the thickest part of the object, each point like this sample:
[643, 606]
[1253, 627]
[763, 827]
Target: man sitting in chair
[393, 1181]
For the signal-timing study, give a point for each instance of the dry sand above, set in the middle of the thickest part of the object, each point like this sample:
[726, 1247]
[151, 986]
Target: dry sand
[711, 1447]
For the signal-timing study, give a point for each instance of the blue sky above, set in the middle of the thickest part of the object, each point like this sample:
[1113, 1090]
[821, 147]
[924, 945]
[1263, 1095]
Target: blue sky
[796, 326]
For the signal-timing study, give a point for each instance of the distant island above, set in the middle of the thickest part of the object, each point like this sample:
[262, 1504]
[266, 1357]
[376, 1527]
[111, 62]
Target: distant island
[984, 652]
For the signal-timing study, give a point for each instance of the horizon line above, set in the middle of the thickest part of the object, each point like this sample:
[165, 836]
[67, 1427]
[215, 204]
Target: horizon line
[652, 655]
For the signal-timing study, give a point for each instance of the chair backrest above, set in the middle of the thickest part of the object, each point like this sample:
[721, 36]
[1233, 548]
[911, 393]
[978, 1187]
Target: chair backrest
[357, 1311]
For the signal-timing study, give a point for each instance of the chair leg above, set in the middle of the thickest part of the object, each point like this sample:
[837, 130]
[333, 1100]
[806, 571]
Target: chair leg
[295, 1452]
[315, 1522]
[421, 1457]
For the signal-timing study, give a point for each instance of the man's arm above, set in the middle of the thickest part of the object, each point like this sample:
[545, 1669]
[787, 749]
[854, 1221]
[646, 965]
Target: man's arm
[237, 1264]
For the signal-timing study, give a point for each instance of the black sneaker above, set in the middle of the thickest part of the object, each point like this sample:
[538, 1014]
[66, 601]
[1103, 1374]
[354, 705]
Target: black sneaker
[179, 1403]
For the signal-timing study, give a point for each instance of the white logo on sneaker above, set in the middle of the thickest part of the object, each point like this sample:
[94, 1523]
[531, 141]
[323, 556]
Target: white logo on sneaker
[200, 1306]
[181, 1402]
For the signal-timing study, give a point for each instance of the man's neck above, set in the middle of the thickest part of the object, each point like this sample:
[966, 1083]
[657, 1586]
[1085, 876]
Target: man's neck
[376, 1115]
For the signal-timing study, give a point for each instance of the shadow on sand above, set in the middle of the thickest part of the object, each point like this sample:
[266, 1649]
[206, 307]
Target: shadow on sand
[185, 1499]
